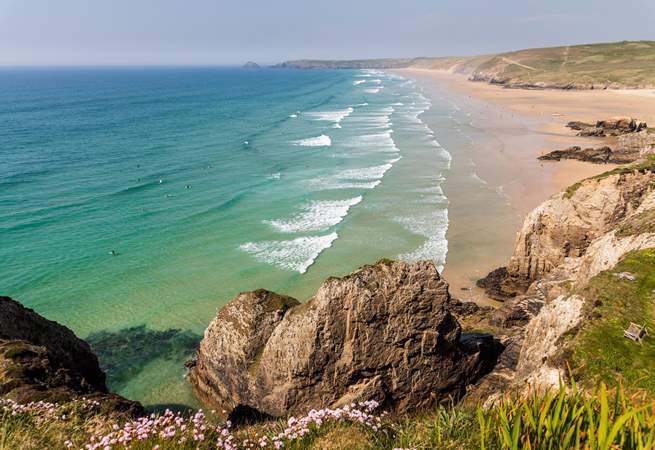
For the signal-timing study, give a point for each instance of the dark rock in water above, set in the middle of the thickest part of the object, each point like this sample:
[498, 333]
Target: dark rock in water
[494, 284]
[43, 360]
[251, 65]
[600, 155]
[383, 333]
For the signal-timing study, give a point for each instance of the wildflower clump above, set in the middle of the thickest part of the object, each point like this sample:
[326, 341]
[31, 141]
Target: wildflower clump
[197, 431]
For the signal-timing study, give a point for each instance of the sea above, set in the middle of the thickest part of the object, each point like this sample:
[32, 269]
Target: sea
[135, 202]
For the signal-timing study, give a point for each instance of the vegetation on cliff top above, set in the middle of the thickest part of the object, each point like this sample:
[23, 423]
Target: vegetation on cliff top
[557, 419]
[647, 165]
[599, 350]
[625, 64]
[616, 64]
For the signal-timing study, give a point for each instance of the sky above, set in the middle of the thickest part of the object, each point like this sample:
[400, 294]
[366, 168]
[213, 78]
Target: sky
[144, 32]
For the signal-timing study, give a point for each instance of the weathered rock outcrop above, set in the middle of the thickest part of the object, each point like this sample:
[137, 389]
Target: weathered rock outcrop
[43, 360]
[600, 155]
[565, 225]
[384, 332]
[630, 141]
[614, 126]
[563, 244]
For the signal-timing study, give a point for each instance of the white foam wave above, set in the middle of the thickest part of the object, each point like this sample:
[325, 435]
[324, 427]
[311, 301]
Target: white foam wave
[293, 116]
[316, 216]
[356, 82]
[334, 183]
[366, 173]
[331, 116]
[318, 141]
[477, 178]
[296, 254]
[361, 178]
[433, 226]
[373, 90]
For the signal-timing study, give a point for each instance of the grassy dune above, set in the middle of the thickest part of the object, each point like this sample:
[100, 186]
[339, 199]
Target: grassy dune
[611, 65]
[620, 64]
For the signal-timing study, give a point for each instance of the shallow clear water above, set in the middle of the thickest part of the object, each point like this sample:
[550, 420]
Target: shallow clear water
[204, 182]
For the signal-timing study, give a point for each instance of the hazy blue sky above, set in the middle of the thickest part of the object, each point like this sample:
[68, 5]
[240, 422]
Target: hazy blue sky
[220, 31]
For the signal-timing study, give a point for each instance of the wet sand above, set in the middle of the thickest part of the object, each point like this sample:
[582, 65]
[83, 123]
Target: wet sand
[511, 128]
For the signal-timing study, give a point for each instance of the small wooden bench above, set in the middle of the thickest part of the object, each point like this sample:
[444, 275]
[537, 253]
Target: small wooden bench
[635, 332]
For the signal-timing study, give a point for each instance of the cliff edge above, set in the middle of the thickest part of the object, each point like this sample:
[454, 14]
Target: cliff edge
[383, 333]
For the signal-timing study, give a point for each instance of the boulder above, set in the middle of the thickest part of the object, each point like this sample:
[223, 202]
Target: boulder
[43, 360]
[382, 333]
[495, 285]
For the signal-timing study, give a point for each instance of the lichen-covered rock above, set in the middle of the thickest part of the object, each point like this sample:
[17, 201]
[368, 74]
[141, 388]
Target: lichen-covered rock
[383, 333]
[43, 360]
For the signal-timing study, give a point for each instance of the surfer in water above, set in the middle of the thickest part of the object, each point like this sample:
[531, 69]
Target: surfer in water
[113, 253]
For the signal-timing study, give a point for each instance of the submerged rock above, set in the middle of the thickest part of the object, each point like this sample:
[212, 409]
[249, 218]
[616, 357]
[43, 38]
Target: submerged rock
[383, 333]
[43, 360]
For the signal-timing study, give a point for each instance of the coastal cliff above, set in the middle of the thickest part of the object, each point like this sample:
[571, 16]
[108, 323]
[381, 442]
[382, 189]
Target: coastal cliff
[616, 65]
[390, 336]
[569, 261]
[383, 333]
[41, 360]
[391, 332]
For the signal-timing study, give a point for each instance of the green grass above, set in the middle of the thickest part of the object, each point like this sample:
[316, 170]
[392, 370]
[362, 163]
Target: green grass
[629, 64]
[616, 64]
[647, 165]
[558, 419]
[599, 350]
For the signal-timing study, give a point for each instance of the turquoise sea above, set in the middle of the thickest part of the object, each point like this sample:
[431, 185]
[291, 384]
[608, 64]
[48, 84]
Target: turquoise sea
[204, 182]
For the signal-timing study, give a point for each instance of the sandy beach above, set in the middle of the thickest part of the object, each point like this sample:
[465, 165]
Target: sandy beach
[516, 126]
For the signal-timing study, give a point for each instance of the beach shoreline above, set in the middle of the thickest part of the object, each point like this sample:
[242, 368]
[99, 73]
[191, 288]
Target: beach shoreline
[517, 126]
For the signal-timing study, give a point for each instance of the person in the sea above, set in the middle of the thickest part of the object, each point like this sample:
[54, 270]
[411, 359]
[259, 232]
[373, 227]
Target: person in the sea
[113, 253]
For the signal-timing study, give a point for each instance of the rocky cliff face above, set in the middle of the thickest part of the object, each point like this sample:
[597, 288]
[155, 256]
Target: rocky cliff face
[565, 225]
[384, 333]
[562, 245]
[43, 360]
